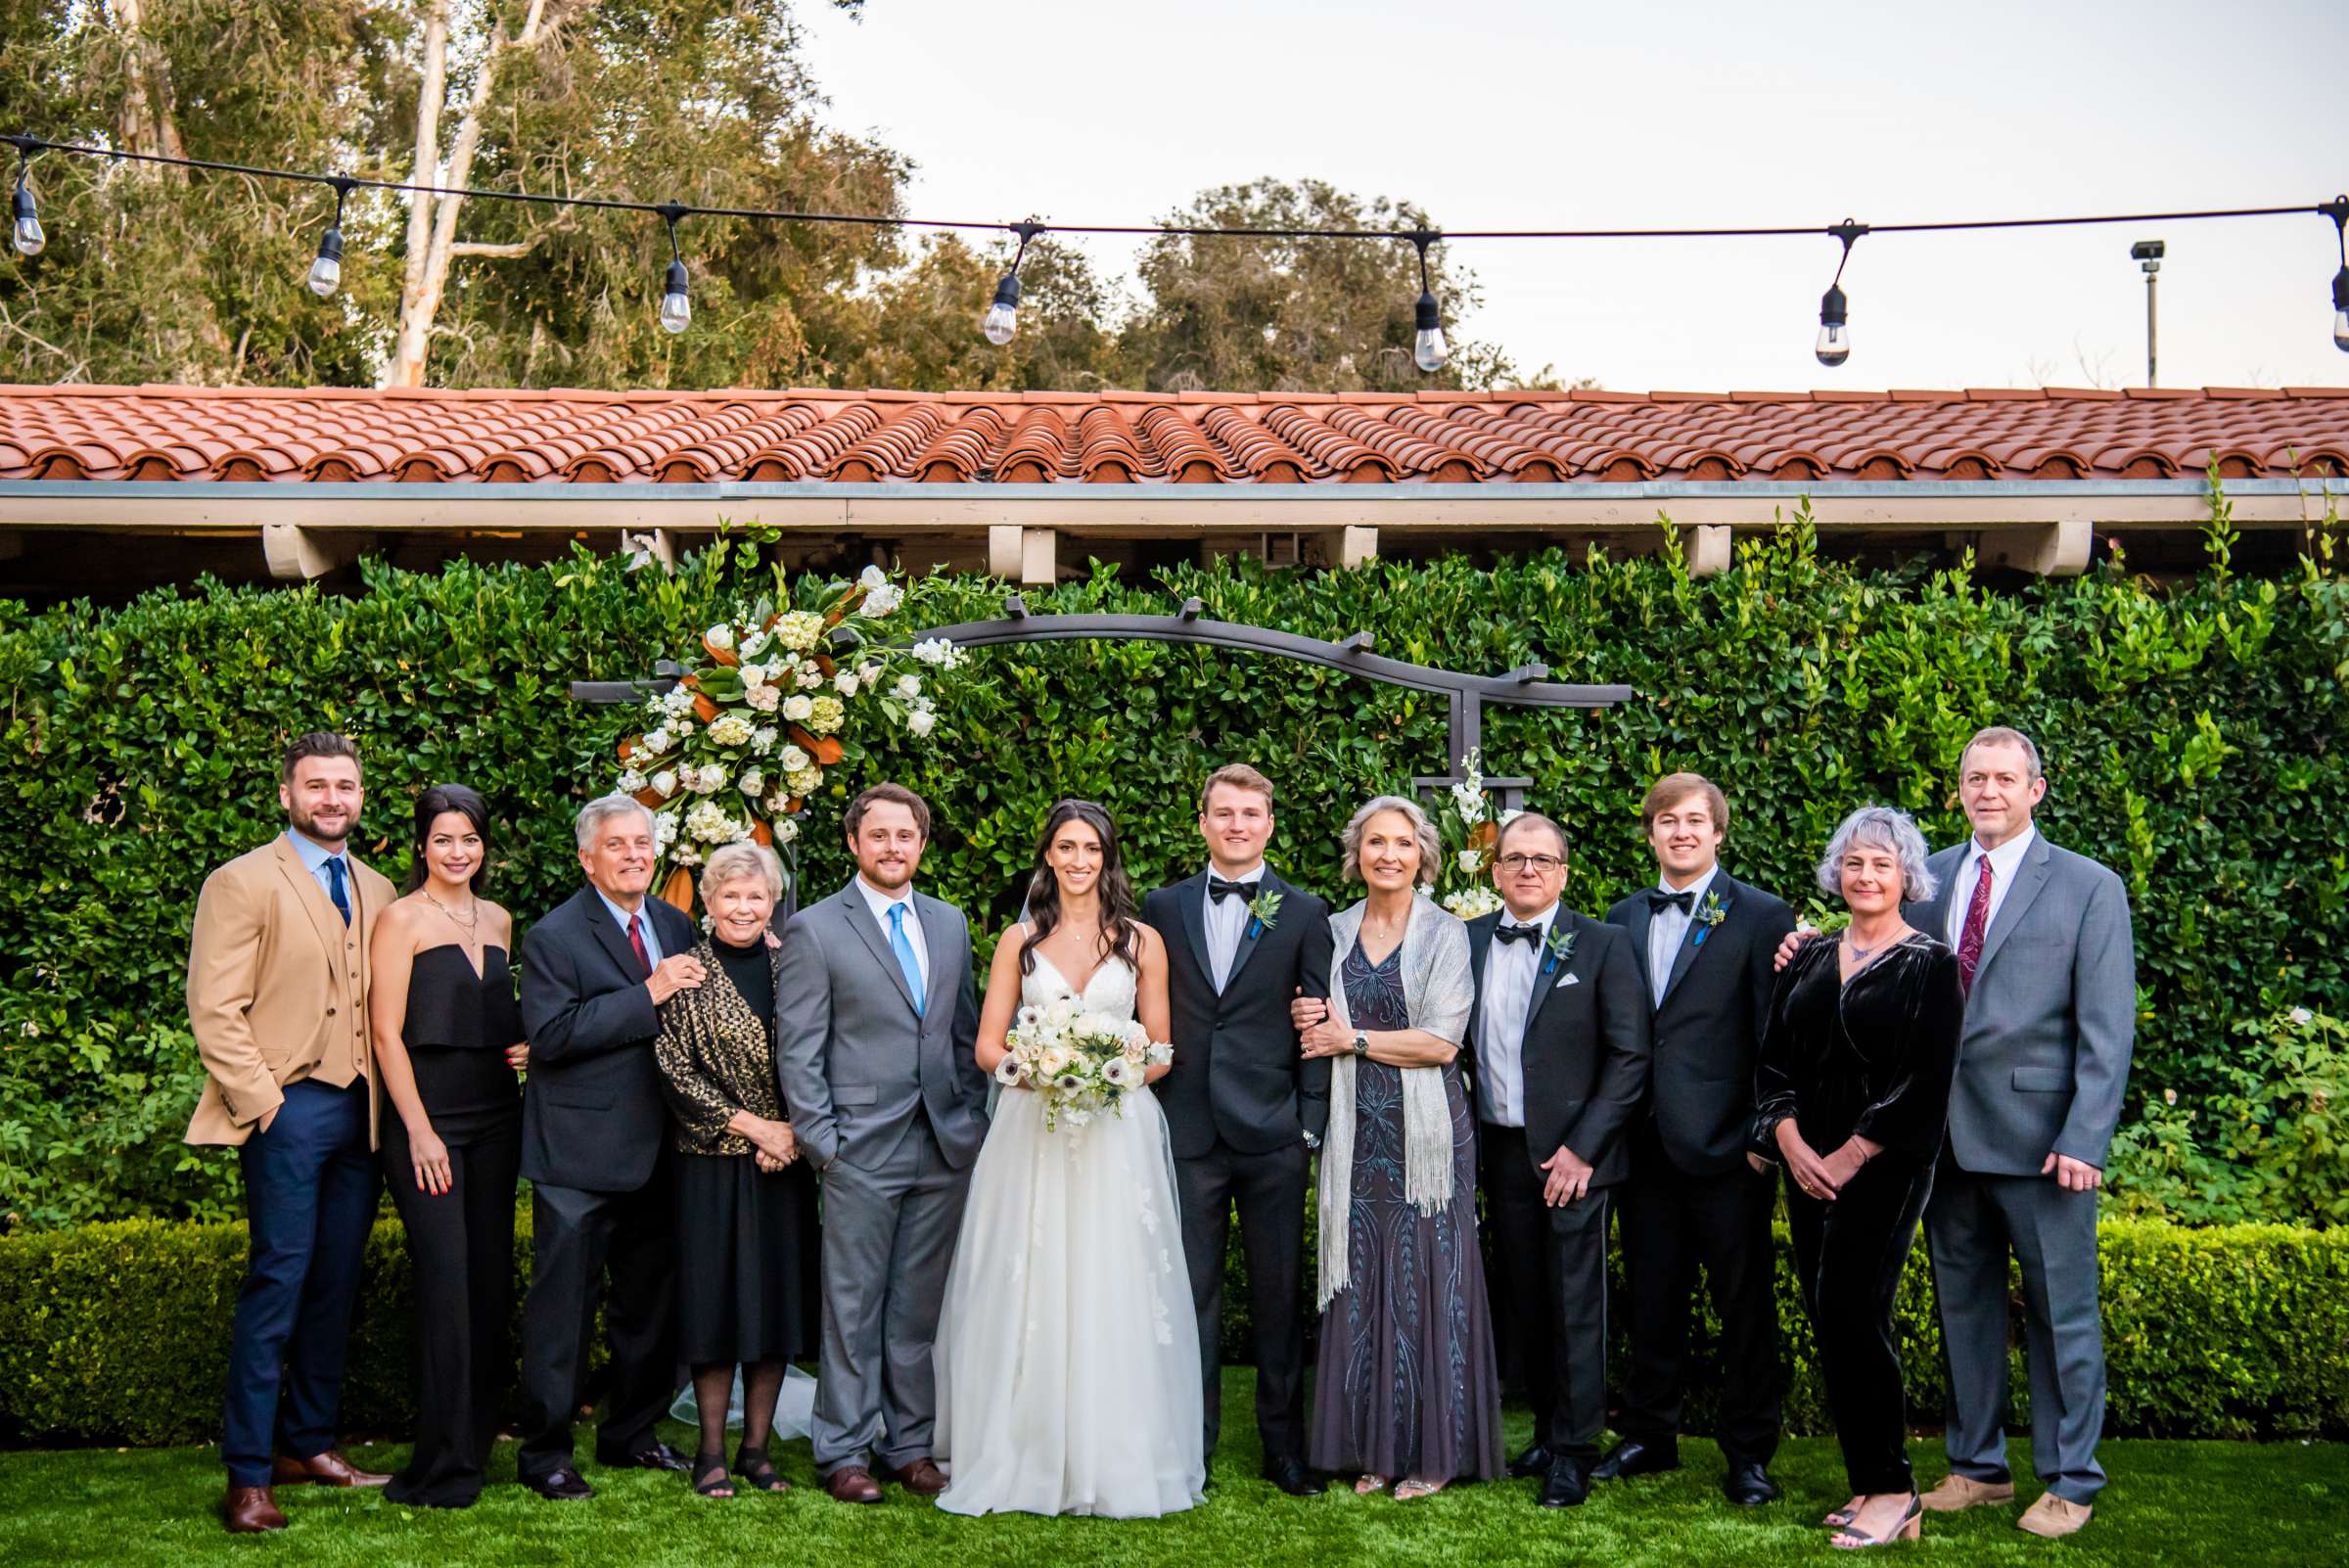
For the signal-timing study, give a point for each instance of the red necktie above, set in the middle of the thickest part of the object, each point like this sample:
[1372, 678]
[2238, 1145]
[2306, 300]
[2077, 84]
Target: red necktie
[636, 940]
[1977, 922]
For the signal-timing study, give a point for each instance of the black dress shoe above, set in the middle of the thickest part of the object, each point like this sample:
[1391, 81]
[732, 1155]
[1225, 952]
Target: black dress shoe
[560, 1485]
[1631, 1457]
[1748, 1486]
[1534, 1460]
[654, 1455]
[1568, 1484]
[1289, 1473]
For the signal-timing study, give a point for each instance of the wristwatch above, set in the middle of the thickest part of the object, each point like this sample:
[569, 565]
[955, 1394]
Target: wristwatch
[1361, 1043]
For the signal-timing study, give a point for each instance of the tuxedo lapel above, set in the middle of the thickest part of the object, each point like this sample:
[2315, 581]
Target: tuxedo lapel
[1251, 929]
[325, 918]
[1191, 897]
[859, 916]
[1690, 938]
[2029, 879]
[1546, 978]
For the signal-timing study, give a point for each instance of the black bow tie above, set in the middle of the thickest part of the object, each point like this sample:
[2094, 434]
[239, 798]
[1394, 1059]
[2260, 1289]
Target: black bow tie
[1219, 890]
[1658, 900]
[1506, 931]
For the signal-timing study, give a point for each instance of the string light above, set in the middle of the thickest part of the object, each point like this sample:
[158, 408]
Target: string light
[1834, 345]
[1003, 317]
[676, 299]
[326, 273]
[28, 236]
[1430, 352]
[1428, 349]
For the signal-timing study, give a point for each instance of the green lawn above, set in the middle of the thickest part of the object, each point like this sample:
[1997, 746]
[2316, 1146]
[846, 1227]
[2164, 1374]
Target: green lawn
[2242, 1505]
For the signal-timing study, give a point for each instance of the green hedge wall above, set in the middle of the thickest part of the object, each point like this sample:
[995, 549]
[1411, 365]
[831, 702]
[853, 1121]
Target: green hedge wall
[119, 1333]
[2193, 731]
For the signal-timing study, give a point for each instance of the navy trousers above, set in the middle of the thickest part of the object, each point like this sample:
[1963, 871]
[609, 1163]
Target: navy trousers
[310, 1199]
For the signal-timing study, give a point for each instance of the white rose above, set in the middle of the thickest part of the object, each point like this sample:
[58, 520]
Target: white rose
[787, 830]
[871, 578]
[921, 722]
[1469, 860]
[909, 686]
[720, 637]
[710, 780]
[868, 672]
[882, 601]
[797, 707]
[752, 782]
[845, 683]
[811, 676]
[763, 698]
[791, 760]
[664, 783]
[753, 676]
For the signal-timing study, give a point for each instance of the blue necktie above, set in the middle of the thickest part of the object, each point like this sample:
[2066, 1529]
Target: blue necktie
[334, 876]
[902, 946]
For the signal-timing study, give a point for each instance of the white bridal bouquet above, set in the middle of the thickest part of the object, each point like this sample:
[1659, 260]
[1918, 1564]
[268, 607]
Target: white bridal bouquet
[1081, 1063]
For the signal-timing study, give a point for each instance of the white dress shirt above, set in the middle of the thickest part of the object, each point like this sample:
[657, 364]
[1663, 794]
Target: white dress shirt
[644, 928]
[2004, 861]
[1510, 970]
[1227, 923]
[1667, 929]
[880, 904]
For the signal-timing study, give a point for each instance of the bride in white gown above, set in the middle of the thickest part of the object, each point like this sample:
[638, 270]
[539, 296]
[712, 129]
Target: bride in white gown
[1067, 1354]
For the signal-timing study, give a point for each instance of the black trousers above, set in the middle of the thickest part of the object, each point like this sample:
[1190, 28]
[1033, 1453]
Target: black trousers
[581, 1239]
[1848, 1254]
[1674, 1222]
[1548, 1273]
[461, 1253]
[1268, 1190]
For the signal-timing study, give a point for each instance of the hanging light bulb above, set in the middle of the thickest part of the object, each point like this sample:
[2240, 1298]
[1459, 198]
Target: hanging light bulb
[326, 273]
[1834, 345]
[676, 299]
[1429, 351]
[28, 236]
[2337, 209]
[1002, 318]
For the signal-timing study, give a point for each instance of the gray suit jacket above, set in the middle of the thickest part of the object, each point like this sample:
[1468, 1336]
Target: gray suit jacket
[852, 1057]
[2052, 1018]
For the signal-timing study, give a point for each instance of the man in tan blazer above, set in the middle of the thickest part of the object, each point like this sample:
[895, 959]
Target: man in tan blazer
[277, 990]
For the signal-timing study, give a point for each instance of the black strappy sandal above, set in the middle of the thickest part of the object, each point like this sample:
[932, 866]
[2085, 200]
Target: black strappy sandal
[709, 1477]
[757, 1469]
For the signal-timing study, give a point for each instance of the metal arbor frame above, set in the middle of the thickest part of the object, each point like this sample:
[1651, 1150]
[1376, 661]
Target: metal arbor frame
[1526, 686]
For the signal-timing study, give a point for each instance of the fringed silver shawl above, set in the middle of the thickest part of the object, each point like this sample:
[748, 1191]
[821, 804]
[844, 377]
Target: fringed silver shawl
[1439, 991]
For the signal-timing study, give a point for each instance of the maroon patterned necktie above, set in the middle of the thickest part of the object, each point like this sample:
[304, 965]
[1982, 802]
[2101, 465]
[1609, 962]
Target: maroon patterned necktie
[1977, 923]
[636, 940]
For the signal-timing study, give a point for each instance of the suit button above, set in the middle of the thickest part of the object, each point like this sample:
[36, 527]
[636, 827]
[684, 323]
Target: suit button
[330, 1012]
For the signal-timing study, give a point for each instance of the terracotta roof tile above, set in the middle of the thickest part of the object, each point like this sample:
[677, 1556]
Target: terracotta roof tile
[166, 435]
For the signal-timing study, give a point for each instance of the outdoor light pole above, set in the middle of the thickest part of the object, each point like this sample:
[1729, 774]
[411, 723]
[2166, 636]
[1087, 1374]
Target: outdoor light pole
[2148, 255]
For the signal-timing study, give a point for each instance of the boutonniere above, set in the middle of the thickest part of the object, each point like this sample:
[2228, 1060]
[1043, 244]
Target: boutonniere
[1560, 948]
[1712, 912]
[1263, 912]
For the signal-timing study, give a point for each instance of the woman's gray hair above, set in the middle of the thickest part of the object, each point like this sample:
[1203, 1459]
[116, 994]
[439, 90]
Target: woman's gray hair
[731, 863]
[1431, 846]
[1883, 828]
[596, 813]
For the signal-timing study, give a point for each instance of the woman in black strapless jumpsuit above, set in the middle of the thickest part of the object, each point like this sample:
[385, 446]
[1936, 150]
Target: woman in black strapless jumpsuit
[447, 1043]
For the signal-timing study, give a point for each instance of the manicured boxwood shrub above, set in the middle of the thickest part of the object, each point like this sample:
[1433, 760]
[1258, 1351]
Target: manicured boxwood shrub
[119, 1333]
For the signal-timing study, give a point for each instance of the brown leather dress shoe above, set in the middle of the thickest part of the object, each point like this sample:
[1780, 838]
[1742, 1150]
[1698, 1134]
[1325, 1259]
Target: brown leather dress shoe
[328, 1469]
[853, 1482]
[1958, 1492]
[250, 1510]
[923, 1477]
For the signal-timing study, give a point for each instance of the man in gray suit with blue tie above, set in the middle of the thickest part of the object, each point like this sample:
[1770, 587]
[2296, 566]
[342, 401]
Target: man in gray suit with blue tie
[876, 1022]
[2044, 951]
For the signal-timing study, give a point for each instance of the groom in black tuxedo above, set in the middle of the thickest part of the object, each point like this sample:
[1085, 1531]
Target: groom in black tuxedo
[1704, 942]
[1243, 1108]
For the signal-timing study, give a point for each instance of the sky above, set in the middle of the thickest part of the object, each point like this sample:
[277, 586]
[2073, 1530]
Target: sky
[1505, 113]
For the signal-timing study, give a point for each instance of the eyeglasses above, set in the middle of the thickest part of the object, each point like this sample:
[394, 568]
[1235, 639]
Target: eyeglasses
[1543, 863]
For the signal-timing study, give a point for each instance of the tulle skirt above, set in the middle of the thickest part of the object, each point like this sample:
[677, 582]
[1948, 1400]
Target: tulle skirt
[1067, 1354]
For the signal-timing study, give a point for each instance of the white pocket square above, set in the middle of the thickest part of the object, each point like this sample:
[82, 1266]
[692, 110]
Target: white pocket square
[1570, 978]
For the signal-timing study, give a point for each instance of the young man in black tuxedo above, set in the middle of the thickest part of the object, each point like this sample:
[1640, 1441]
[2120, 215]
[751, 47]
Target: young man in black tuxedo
[1704, 942]
[1243, 1108]
[1557, 1050]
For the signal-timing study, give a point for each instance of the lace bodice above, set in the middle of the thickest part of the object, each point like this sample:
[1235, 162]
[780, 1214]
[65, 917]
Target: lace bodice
[1110, 988]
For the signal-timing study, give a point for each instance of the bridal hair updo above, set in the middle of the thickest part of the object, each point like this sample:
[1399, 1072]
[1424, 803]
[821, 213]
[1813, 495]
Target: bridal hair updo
[1118, 938]
[431, 805]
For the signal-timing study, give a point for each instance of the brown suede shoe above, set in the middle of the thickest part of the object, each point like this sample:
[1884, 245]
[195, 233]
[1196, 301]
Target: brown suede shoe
[250, 1510]
[2053, 1517]
[328, 1469]
[923, 1477]
[1959, 1492]
[853, 1482]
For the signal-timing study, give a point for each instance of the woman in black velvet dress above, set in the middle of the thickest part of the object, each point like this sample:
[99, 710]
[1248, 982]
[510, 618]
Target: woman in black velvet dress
[448, 1040]
[1853, 1089]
